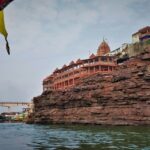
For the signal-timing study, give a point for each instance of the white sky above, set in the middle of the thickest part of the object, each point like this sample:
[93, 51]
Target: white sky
[47, 34]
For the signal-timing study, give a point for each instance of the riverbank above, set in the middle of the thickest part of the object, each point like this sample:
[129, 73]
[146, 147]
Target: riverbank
[122, 98]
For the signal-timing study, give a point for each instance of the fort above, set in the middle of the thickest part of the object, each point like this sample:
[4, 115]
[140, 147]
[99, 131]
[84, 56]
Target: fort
[103, 62]
[69, 76]
[116, 95]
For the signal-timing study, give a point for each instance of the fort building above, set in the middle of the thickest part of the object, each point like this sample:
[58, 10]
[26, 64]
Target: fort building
[69, 75]
[142, 35]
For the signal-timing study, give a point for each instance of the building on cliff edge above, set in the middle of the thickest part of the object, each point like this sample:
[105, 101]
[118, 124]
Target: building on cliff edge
[140, 42]
[69, 75]
[142, 35]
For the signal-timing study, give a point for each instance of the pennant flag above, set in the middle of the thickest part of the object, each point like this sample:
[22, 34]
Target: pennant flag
[3, 30]
[4, 3]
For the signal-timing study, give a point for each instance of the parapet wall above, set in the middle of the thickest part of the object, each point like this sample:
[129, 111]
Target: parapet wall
[137, 48]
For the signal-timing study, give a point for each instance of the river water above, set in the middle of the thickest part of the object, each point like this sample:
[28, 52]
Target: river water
[63, 137]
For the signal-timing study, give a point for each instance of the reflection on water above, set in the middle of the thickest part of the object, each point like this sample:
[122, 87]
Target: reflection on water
[58, 137]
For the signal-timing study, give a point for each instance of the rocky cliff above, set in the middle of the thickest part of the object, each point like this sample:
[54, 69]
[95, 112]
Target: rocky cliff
[122, 98]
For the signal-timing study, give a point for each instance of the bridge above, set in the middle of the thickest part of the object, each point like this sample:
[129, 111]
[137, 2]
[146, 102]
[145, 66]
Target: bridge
[15, 104]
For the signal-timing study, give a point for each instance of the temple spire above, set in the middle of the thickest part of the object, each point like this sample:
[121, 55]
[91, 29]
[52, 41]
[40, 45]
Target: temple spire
[103, 48]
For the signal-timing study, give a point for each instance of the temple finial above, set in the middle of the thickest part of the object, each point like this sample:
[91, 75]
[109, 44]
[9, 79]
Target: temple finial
[103, 38]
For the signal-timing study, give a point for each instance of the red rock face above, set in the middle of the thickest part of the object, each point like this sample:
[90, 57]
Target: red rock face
[122, 98]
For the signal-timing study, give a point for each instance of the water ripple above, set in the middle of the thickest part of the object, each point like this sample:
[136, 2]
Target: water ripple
[54, 137]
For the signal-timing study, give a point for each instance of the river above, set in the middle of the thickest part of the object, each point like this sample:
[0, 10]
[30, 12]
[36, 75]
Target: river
[68, 137]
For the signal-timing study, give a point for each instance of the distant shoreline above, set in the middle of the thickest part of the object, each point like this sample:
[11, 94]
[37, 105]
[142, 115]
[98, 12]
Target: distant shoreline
[11, 122]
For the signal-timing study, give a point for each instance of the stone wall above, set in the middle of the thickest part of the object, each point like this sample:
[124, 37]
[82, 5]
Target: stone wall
[137, 48]
[122, 98]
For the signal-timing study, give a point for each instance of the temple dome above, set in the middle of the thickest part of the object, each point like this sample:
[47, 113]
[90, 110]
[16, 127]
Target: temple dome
[56, 70]
[92, 56]
[103, 49]
[64, 66]
[71, 63]
[79, 61]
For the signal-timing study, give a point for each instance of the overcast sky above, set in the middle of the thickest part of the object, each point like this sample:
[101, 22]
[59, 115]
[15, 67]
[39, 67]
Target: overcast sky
[45, 34]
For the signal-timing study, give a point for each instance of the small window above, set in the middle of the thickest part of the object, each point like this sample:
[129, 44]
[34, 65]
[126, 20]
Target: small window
[110, 68]
[110, 59]
[104, 58]
[104, 68]
[96, 59]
